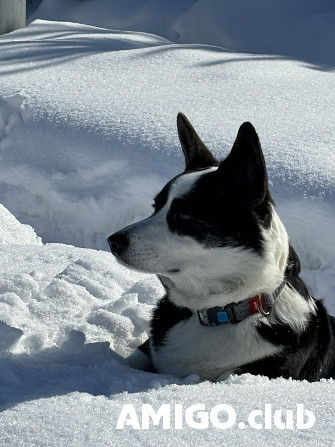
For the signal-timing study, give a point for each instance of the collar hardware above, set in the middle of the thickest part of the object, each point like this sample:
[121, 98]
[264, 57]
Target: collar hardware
[261, 307]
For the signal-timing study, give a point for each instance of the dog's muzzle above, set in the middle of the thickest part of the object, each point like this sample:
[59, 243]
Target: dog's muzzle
[118, 243]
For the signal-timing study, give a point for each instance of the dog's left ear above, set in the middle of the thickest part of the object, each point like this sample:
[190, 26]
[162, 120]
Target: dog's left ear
[195, 151]
[245, 169]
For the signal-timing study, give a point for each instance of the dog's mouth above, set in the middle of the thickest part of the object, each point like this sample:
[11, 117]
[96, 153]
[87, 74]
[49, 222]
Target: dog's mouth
[139, 267]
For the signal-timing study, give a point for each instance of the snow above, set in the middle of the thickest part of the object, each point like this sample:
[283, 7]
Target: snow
[14, 233]
[117, 94]
[303, 28]
[89, 96]
[83, 419]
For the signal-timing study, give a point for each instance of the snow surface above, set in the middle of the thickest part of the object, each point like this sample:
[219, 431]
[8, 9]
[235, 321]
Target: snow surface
[87, 137]
[303, 28]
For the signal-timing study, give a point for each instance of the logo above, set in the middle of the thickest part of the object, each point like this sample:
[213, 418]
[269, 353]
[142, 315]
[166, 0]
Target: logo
[222, 416]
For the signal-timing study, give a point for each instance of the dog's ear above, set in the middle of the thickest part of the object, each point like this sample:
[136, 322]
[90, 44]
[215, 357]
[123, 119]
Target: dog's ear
[196, 153]
[245, 169]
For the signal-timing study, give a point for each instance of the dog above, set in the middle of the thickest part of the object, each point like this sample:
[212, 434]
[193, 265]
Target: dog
[234, 300]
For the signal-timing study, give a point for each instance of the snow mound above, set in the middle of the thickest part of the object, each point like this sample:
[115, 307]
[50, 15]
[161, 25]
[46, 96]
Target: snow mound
[53, 290]
[13, 232]
[67, 31]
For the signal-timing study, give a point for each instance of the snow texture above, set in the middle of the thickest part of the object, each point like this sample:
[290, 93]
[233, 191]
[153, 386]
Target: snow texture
[90, 91]
[90, 115]
[303, 28]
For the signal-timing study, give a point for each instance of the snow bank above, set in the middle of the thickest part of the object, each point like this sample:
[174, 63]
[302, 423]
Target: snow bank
[303, 29]
[54, 289]
[90, 133]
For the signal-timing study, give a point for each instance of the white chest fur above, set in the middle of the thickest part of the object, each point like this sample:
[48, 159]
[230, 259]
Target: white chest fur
[191, 348]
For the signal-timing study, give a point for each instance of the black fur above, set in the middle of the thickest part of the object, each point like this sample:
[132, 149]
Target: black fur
[309, 356]
[164, 317]
[198, 215]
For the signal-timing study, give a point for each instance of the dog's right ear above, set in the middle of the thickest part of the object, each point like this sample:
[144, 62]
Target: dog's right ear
[244, 169]
[196, 153]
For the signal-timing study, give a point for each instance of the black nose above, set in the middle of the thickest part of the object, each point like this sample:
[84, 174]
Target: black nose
[118, 243]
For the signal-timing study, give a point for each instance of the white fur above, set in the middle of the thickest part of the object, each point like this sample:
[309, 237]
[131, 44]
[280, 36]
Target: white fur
[224, 275]
[210, 351]
[292, 309]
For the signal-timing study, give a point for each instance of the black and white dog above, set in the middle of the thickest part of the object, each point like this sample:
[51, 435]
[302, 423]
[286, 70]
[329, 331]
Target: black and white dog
[234, 301]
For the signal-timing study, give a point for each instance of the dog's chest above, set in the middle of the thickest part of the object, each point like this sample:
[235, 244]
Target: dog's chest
[209, 351]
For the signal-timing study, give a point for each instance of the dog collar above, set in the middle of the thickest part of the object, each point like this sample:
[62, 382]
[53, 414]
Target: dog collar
[235, 312]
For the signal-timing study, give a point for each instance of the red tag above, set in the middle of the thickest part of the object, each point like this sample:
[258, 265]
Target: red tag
[254, 304]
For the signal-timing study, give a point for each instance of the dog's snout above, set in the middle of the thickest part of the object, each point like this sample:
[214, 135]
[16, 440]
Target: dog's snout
[118, 243]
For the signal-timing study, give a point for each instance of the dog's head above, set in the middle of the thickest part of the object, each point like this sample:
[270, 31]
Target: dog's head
[213, 232]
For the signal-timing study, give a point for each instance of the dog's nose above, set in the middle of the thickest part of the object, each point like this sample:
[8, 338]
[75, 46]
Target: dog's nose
[118, 243]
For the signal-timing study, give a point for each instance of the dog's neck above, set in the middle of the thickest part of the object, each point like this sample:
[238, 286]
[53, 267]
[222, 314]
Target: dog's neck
[196, 294]
[287, 305]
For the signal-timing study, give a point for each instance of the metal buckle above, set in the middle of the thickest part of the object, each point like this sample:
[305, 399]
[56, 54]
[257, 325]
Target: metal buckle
[260, 306]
